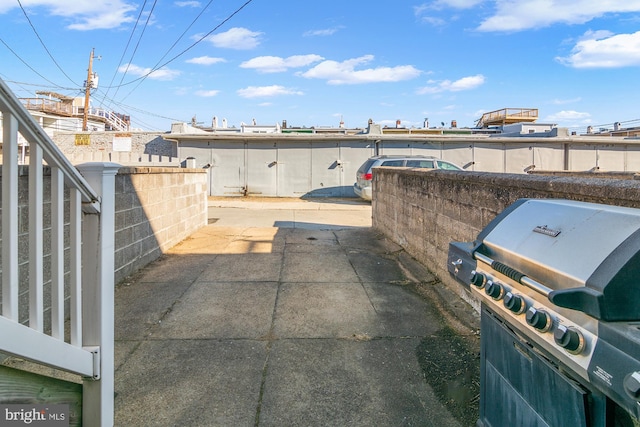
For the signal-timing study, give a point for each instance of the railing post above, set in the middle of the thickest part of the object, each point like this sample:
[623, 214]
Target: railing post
[10, 223]
[98, 247]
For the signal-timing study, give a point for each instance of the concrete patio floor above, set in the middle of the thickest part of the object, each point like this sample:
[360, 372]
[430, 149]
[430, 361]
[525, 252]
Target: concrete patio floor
[282, 313]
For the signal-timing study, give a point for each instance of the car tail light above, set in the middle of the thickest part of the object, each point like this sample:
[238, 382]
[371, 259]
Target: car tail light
[367, 176]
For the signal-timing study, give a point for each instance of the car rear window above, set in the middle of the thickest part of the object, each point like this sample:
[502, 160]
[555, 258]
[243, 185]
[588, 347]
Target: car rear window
[366, 166]
[448, 166]
[420, 163]
[392, 163]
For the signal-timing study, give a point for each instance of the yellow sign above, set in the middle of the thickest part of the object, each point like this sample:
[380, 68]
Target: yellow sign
[83, 139]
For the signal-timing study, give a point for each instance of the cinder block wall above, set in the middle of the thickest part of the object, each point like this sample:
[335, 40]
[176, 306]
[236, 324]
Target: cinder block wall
[156, 208]
[102, 142]
[424, 210]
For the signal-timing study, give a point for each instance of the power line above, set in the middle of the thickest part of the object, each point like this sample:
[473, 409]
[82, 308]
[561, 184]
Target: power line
[173, 45]
[190, 47]
[43, 45]
[133, 54]
[128, 108]
[125, 108]
[124, 52]
[28, 66]
[155, 68]
[39, 85]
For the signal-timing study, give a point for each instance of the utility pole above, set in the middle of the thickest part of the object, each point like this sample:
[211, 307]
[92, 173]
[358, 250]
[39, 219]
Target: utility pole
[87, 92]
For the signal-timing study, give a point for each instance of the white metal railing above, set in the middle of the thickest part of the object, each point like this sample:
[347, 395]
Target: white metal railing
[115, 120]
[47, 105]
[88, 350]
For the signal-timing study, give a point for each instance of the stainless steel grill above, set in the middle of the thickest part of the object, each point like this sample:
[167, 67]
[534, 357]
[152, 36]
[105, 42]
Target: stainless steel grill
[559, 283]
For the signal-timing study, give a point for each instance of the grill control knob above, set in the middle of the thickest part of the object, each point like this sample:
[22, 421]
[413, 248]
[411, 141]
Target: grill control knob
[494, 290]
[514, 303]
[632, 385]
[569, 338]
[478, 279]
[539, 319]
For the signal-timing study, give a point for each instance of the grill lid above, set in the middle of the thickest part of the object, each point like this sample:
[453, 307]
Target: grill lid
[587, 253]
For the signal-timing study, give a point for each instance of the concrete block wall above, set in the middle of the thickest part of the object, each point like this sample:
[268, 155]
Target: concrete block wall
[156, 208]
[424, 210]
[102, 142]
[124, 158]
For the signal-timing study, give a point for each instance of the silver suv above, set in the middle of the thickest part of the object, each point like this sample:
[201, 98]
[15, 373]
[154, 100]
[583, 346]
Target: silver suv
[362, 186]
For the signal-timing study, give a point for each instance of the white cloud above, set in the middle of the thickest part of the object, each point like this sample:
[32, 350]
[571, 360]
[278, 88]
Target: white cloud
[465, 83]
[207, 93]
[161, 74]
[443, 4]
[187, 3]
[432, 20]
[426, 11]
[517, 15]
[345, 72]
[276, 64]
[568, 115]
[205, 60]
[459, 4]
[322, 33]
[236, 38]
[566, 101]
[266, 91]
[84, 14]
[603, 50]
[596, 35]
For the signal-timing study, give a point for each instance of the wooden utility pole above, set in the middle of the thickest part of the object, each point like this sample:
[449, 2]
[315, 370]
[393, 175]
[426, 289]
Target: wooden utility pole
[87, 92]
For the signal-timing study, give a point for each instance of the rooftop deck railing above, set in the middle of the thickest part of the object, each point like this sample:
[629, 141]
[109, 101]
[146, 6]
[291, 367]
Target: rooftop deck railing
[115, 121]
[506, 114]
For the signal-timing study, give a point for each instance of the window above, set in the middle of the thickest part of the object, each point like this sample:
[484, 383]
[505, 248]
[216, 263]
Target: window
[448, 166]
[420, 164]
[366, 166]
[392, 163]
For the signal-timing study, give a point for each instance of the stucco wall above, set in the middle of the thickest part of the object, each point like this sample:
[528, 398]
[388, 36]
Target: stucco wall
[424, 210]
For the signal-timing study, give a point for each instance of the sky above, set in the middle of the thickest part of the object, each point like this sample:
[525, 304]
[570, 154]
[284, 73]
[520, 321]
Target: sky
[315, 63]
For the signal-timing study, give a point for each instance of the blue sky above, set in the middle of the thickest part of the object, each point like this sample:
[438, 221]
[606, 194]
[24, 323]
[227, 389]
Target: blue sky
[312, 63]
